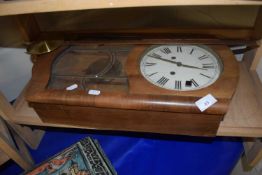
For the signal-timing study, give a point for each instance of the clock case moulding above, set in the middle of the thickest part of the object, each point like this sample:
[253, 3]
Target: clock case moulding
[134, 104]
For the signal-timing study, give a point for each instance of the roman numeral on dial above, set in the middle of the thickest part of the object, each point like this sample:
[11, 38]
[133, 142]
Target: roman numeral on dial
[179, 49]
[205, 75]
[154, 55]
[162, 81]
[178, 85]
[208, 66]
[194, 83]
[166, 50]
[203, 57]
[150, 64]
[191, 51]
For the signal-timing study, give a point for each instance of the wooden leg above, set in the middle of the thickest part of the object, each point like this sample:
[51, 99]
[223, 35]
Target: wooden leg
[22, 148]
[5, 133]
[7, 146]
[32, 138]
[13, 154]
[253, 153]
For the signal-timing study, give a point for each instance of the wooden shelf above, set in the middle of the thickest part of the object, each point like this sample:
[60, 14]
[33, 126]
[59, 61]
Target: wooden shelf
[243, 119]
[40, 6]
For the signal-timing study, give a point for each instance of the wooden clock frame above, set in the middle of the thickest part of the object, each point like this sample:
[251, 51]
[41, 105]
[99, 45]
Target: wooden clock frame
[143, 108]
[222, 88]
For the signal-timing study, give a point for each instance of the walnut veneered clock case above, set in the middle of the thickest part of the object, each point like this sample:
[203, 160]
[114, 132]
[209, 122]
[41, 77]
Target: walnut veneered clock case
[143, 87]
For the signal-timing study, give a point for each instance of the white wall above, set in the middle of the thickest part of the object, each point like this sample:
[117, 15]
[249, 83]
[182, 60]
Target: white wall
[15, 71]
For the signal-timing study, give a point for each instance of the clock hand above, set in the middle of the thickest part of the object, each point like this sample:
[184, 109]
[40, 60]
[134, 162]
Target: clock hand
[193, 67]
[179, 64]
[162, 59]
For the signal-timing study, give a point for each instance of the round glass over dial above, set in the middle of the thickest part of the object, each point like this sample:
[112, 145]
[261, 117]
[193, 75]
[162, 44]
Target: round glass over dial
[180, 67]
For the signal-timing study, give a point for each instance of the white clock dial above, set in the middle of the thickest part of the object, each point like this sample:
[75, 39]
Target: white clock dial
[180, 67]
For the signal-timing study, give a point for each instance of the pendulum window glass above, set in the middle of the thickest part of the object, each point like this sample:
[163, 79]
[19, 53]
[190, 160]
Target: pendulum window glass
[90, 67]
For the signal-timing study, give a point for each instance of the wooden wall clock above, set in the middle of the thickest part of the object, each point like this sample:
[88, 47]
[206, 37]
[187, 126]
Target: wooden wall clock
[145, 87]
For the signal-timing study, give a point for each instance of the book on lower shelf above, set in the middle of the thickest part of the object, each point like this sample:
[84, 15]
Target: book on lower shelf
[86, 157]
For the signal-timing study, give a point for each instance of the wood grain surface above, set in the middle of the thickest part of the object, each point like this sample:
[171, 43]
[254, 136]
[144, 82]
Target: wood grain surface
[25, 6]
[130, 120]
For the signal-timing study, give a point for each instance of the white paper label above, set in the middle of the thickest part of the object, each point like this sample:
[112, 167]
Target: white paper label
[71, 87]
[93, 92]
[205, 102]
